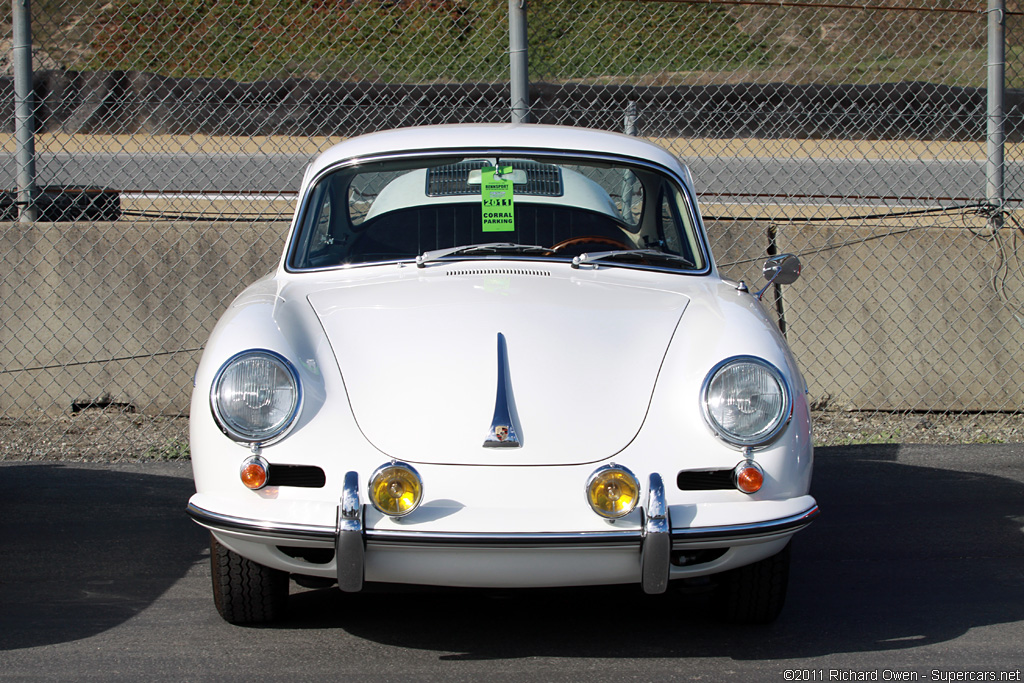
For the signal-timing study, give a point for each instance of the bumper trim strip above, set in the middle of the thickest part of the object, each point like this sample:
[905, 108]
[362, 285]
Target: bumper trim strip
[631, 537]
[221, 522]
[753, 530]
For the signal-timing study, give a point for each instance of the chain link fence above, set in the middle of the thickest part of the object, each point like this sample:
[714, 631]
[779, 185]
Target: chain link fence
[171, 137]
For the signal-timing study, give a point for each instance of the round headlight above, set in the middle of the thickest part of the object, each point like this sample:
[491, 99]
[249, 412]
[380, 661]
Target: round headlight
[612, 491]
[256, 396]
[396, 489]
[746, 401]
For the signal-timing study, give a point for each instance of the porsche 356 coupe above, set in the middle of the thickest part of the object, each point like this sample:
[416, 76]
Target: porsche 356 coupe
[500, 356]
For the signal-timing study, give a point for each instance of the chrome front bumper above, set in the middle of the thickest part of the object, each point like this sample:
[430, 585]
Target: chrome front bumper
[656, 539]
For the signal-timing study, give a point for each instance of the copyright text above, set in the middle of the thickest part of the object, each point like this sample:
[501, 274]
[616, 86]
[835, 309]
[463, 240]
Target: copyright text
[943, 675]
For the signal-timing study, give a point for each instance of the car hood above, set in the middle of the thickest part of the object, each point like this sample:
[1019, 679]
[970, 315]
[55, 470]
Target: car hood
[419, 356]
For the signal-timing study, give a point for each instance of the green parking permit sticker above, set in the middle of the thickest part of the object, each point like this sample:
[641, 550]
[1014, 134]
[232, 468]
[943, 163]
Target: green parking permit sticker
[496, 192]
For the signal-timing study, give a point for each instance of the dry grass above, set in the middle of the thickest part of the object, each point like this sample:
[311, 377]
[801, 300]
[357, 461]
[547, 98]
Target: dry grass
[114, 436]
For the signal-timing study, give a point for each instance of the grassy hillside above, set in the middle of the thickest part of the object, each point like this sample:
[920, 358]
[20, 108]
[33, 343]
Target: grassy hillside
[466, 40]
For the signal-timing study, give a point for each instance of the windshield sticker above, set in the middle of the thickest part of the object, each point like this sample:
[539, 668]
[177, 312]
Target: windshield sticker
[496, 192]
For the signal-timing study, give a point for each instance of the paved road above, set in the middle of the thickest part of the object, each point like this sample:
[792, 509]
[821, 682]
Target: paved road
[916, 566]
[812, 180]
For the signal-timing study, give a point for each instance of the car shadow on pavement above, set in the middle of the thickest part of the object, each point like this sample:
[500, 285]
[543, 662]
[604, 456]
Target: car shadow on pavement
[85, 548]
[902, 556]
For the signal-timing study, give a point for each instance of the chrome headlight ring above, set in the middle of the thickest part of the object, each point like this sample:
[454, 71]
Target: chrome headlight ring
[256, 397]
[746, 401]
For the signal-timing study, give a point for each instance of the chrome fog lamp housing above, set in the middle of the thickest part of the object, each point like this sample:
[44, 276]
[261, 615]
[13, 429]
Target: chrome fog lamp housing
[256, 396]
[746, 401]
[613, 491]
[395, 489]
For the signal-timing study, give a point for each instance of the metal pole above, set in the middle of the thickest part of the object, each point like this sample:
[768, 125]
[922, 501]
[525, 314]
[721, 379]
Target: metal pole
[519, 62]
[24, 124]
[996, 117]
[629, 125]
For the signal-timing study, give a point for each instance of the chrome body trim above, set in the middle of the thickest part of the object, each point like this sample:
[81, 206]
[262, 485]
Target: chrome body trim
[502, 433]
[656, 548]
[627, 537]
[284, 531]
[349, 545]
[753, 530]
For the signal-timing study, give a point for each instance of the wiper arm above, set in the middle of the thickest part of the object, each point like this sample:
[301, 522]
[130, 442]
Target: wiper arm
[492, 247]
[631, 255]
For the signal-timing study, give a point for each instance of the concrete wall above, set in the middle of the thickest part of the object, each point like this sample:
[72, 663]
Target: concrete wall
[78, 294]
[881, 318]
[921, 318]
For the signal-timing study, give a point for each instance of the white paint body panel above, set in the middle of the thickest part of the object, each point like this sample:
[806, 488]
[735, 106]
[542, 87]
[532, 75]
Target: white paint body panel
[421, 363]
[397, 362]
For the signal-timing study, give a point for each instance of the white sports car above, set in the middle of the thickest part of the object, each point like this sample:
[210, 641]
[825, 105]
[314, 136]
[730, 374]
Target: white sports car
[499, 356]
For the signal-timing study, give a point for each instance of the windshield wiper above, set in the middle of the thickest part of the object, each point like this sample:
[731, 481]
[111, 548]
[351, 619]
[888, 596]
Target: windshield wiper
[643, 256]
[491, 248]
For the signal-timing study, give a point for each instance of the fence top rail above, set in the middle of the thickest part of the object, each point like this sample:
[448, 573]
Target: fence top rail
[834, 5]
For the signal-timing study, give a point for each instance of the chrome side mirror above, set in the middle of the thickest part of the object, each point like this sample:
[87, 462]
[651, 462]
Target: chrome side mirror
[783, 269]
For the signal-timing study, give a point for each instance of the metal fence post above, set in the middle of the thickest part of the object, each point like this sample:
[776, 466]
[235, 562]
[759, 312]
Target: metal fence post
[519, 62]
[995, 130]
[24, 123]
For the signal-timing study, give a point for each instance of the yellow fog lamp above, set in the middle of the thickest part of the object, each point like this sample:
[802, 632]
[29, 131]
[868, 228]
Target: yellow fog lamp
[612, 491]
[396, 489]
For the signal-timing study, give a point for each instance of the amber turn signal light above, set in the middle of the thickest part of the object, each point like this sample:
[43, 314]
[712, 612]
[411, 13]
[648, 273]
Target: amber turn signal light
[254, 472]
[748, 476]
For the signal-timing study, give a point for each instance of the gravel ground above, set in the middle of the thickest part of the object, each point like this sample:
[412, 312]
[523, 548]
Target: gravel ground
[112, 436]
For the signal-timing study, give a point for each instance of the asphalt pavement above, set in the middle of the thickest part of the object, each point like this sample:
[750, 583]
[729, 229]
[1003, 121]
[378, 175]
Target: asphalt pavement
[914, 571]
[808, 179]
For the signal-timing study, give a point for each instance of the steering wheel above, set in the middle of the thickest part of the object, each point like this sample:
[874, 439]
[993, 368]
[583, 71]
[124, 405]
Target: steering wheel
[590, 239]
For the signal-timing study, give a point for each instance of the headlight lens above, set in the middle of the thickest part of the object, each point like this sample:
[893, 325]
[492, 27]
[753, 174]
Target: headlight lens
[256, 396]
[396, 489]
[746, 401]
[613, 491]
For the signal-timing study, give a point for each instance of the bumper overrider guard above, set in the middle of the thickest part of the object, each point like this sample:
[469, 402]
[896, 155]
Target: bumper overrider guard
[656, 539]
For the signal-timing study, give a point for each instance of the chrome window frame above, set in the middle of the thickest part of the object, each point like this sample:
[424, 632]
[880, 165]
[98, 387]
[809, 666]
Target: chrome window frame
[598, 157]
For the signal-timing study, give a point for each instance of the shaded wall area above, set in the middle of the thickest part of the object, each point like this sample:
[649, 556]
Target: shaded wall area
[130, 102]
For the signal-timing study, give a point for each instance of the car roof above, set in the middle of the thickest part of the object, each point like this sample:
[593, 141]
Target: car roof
[495, 136]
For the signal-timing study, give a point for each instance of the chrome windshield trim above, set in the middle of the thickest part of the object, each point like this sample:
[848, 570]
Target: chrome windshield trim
[753, 530]
[221, 522]
[612, 157]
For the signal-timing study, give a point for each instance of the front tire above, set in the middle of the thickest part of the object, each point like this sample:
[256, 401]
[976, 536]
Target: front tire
[756, 593]
[246, 592]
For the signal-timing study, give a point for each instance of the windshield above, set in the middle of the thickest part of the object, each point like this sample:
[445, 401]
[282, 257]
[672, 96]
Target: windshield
[533, 207]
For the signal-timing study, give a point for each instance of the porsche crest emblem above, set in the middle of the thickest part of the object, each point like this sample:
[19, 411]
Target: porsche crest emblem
[502, 433]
